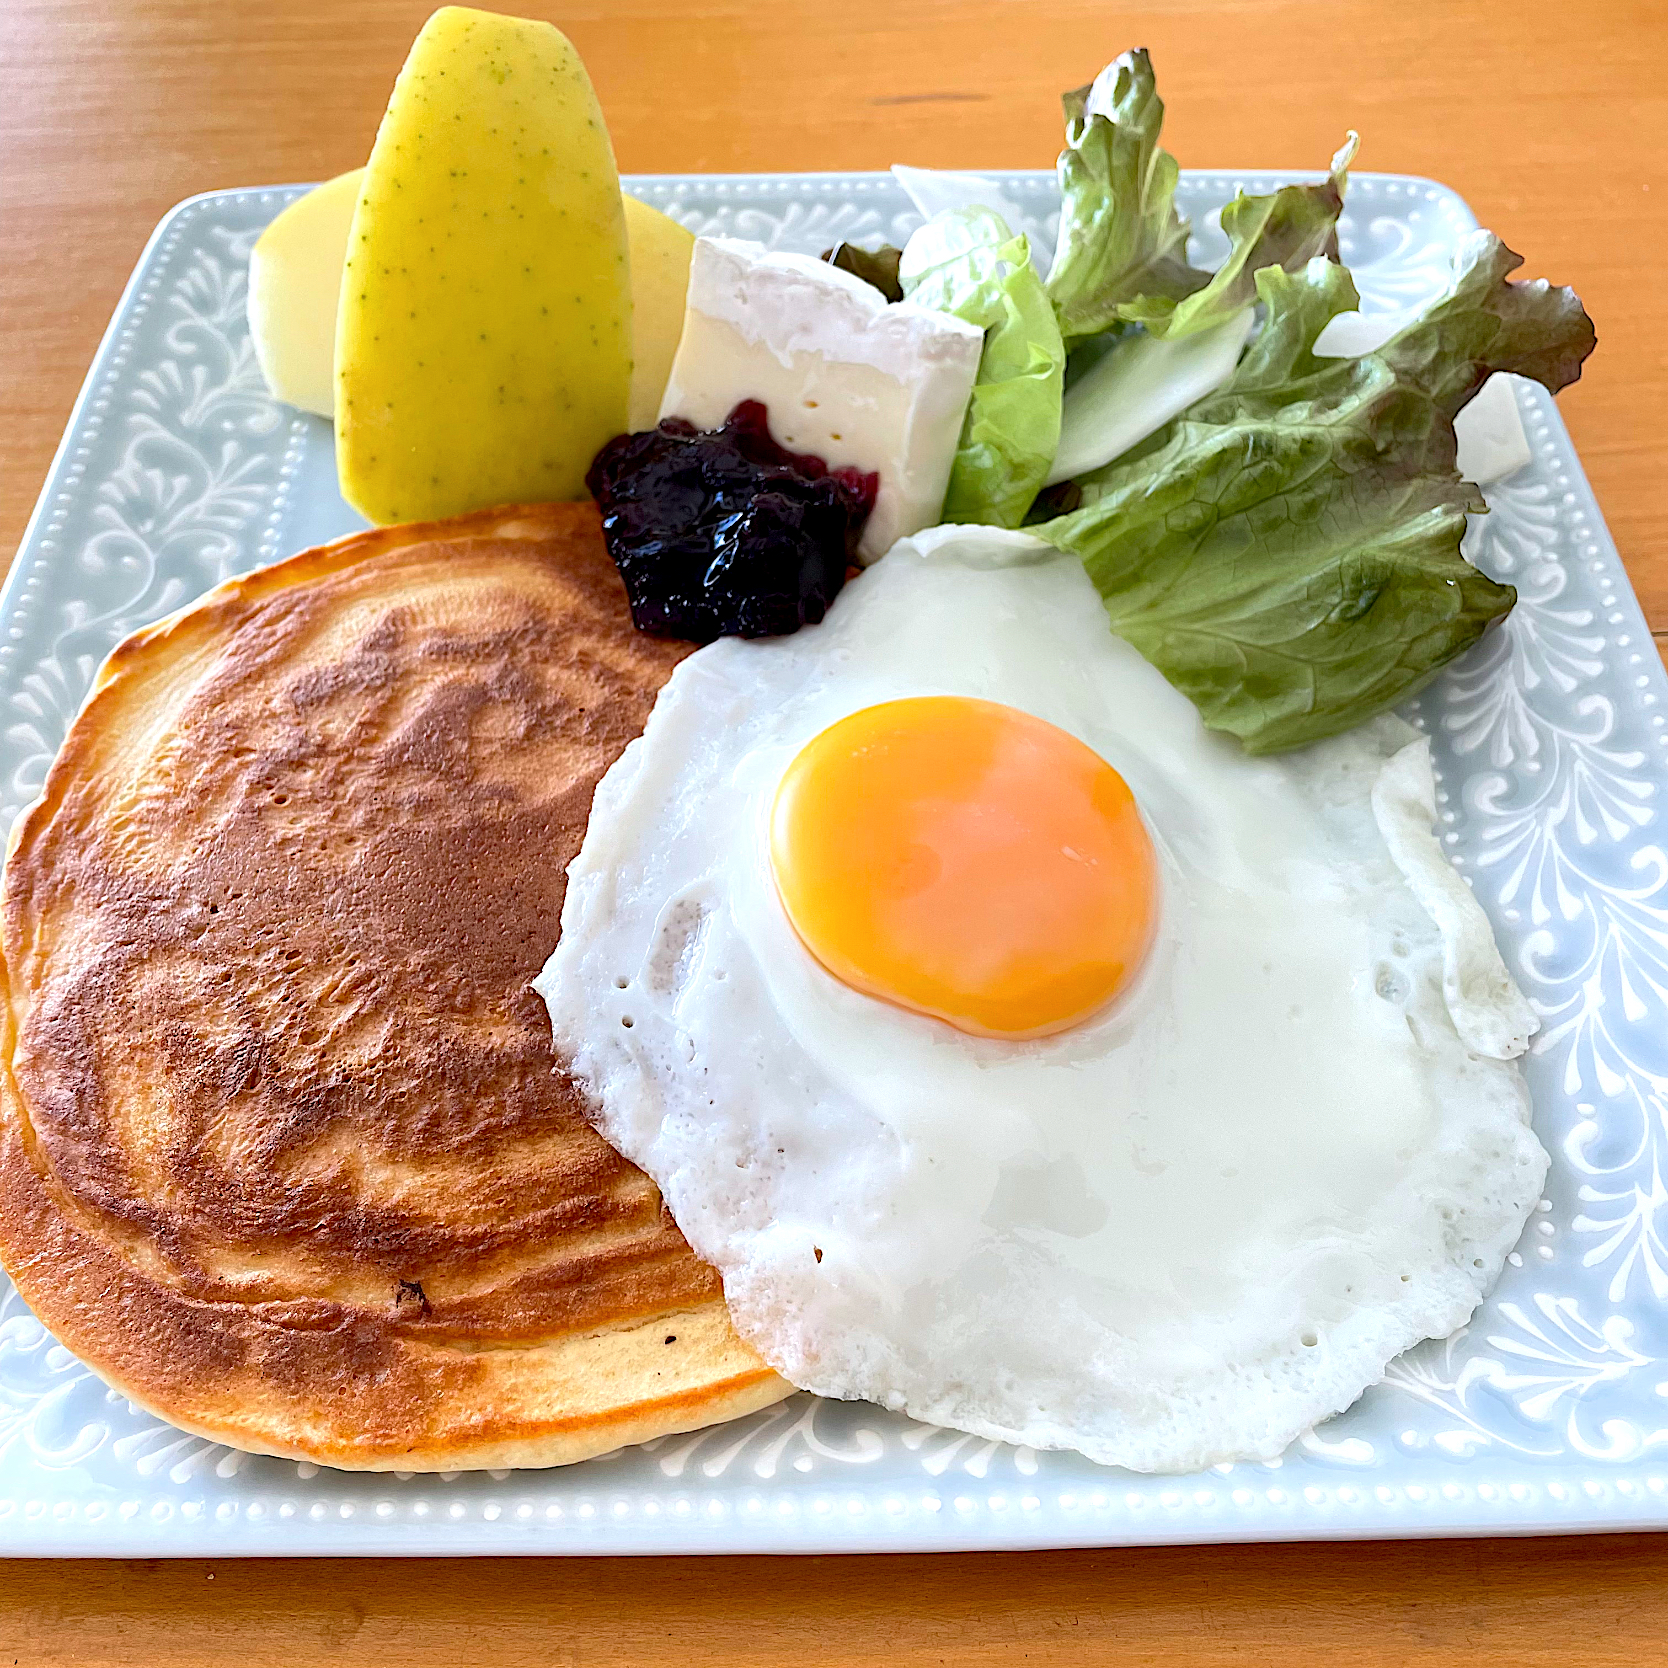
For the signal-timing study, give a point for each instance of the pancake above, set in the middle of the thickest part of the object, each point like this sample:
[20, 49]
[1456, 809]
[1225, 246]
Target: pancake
[285, 1153]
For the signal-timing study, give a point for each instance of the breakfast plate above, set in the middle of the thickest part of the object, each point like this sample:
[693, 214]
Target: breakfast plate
[1547, 1413]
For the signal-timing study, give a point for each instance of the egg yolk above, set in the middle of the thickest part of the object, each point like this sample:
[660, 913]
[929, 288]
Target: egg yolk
[968, 861]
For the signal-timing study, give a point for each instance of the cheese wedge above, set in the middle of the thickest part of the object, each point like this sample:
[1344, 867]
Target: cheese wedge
[295, 280]
[842, 374]
[483, 342]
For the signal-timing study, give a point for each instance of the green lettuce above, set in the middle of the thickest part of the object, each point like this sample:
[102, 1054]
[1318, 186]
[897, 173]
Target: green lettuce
[1287, 551]
[1287, 229]
[1121, 254]
[1120, 235]
[878, 268]
[967, 262]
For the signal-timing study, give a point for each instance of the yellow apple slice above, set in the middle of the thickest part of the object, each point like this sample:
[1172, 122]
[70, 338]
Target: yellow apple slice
[661, 251]
[295, 281]
[483, 341]
[295, 277]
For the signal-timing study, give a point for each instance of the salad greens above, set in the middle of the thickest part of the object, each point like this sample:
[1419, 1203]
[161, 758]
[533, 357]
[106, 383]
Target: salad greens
[967, 262]
[1137, 385]
[1287, 551]
[1278, 531]
[1287, 229]
[876, 267]
[1120, 236]
[1121, 253]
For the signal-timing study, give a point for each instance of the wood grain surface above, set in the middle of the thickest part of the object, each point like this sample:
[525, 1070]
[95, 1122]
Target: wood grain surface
[1549, 116]
[1462, 1604]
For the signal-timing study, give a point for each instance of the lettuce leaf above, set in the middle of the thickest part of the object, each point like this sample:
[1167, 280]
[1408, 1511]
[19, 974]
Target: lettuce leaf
[1287, 552]
[967, 262]
[1287, 229]
[1121, 255]
[1137, 386]
[1120, 235]
[878, 268]
[933, 190]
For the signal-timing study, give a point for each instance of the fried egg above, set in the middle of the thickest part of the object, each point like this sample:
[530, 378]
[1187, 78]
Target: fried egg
[1026, 1057]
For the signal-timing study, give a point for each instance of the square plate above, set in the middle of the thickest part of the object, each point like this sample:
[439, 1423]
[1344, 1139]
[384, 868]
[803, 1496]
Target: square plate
[1546, 1413]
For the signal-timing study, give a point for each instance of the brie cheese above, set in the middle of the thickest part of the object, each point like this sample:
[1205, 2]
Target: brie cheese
[843, 375]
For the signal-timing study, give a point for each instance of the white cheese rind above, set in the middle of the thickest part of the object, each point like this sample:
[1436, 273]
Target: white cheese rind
[843, 374]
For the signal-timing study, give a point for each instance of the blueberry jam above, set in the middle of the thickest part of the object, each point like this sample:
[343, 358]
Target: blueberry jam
[723, 533]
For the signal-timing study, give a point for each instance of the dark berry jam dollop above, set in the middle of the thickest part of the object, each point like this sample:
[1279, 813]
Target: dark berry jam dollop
[723, 533]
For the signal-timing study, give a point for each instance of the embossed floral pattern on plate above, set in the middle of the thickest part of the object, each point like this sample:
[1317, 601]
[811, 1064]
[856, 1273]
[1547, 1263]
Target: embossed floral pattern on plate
[1547, 1412]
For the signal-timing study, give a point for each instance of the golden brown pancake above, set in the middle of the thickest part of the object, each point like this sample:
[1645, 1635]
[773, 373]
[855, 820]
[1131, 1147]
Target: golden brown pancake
[285, 1153]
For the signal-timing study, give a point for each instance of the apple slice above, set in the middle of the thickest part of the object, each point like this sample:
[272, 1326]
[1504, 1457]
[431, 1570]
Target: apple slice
[661, 252]
[295, 277]
[295, 281]
[483, 341]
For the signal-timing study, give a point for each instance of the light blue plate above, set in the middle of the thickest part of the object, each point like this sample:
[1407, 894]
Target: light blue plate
[1547, 1413]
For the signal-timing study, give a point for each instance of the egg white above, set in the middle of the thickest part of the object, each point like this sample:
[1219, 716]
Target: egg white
[1180, 1233]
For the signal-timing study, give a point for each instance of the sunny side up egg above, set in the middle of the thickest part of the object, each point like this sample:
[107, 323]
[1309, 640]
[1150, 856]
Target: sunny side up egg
[1249, 1123]
[966, 860]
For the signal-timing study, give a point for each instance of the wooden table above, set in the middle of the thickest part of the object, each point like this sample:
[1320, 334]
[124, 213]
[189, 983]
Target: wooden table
[1549, 116]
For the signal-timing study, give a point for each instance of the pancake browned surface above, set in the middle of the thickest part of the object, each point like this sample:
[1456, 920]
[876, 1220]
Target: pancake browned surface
[285, 1153]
